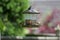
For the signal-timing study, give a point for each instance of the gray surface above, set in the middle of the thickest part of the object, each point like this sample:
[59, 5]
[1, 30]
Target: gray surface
[36, 38]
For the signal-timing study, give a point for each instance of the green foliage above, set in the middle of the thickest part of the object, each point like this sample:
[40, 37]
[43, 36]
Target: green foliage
[11, 15]
[2, 26]
[1, 10]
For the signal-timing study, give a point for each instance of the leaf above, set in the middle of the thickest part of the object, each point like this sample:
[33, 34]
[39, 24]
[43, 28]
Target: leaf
[10, 28]
[25, 5]
[2, 26]
[1, 10]
[18, 9]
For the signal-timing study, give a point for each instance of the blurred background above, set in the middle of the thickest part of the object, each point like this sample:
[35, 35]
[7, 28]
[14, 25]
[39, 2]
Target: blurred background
[38, 21]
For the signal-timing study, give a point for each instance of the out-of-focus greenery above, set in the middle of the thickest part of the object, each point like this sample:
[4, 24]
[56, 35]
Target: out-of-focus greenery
[11, 15]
